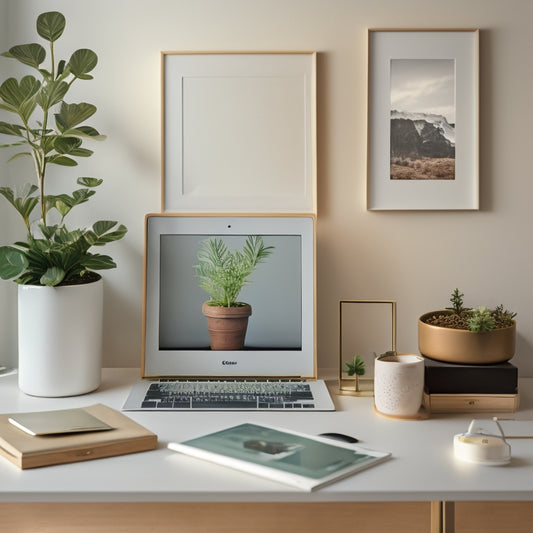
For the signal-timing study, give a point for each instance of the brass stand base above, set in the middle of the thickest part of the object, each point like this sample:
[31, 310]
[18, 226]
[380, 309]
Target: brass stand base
[348, 392]
[348, 387]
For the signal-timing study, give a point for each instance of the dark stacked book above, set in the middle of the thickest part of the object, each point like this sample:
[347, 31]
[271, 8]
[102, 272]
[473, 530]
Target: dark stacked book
[455, 388]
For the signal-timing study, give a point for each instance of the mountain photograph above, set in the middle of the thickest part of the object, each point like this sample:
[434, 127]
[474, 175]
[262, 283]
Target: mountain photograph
[422, 119]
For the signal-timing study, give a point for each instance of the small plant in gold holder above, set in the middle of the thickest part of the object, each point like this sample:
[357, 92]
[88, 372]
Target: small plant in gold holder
[355, 368]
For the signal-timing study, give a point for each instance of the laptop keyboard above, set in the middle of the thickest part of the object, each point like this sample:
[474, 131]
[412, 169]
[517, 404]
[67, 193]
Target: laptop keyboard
[228, 395]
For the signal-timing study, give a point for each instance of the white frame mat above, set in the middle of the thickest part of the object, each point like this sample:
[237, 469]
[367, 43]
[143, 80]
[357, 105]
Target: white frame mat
[460, 193]
[239, 132]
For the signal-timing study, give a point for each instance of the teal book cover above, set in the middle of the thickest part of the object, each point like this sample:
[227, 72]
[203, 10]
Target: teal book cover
[303, 461]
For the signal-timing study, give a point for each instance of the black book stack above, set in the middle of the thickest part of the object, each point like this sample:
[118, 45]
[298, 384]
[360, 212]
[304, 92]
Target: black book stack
[466, 388]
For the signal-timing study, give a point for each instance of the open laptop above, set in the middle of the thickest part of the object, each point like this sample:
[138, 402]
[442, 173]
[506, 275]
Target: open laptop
[276, 368]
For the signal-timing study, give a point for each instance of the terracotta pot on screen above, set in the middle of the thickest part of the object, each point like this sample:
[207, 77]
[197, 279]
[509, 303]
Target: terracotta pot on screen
[227, 326]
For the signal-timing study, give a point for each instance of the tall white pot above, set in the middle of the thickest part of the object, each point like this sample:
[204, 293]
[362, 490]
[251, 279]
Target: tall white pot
[60, 339]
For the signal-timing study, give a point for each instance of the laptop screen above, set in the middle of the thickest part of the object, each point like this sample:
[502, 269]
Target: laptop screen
[280, 337]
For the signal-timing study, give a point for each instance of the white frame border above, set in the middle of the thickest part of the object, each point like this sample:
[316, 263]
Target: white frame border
[184, 191]
[461, 193]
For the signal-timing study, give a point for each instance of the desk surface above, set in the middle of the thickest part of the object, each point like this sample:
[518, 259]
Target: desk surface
[422, 468]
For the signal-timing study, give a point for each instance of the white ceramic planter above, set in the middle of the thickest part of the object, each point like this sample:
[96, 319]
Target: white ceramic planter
[398, 384]
[60, 339]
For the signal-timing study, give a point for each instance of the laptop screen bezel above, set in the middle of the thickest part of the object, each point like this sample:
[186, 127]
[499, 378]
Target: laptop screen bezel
[264, 363]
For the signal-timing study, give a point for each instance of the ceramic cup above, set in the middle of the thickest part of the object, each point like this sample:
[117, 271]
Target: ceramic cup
[398, 384]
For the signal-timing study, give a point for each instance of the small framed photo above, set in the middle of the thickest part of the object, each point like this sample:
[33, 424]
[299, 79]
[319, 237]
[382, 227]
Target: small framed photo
[239, 132]
[423, 88]
[367, 328]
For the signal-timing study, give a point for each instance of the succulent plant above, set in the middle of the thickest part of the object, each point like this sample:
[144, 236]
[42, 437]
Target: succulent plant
[477, 320]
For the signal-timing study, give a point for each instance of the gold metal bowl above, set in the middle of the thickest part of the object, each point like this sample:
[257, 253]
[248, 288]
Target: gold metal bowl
[463, 346]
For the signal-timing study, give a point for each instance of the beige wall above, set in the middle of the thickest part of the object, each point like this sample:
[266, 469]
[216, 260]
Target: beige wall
[8, 319]
[416, 258]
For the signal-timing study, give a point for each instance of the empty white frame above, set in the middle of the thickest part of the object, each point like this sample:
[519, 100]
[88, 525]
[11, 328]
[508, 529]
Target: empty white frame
[239, 132]
[406, 63]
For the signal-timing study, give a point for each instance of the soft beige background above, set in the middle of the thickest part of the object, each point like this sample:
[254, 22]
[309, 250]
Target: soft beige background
[416, 258]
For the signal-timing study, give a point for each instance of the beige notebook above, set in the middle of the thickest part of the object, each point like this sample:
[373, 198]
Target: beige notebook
[58, 421]
[29, 451]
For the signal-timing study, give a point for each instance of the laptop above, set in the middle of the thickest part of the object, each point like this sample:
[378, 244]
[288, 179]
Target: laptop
[275, 369]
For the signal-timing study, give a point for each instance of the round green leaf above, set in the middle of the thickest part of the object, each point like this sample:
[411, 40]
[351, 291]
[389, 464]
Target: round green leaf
[89, 182]
[12, 262]
[81, 62]
[82, 195]
[103, 226]
[66, 145]
[50, 25]
[52, 93]
[81, 152]
[71, 115]
[101, 233]
[85, 131]
[62, 160]
[30, 54]
[15, 94]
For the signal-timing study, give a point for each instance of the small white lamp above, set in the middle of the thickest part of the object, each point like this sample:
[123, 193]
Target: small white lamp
[476, 446]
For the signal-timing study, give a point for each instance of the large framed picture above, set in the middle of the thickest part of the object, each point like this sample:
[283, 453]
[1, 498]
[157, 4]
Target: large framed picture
[239, 132]
[423, 119]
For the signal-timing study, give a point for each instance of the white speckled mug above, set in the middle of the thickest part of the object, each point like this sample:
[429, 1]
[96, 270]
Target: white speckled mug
[398, 384]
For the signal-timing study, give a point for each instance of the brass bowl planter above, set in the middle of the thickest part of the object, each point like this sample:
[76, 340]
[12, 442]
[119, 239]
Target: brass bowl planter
[463, 346]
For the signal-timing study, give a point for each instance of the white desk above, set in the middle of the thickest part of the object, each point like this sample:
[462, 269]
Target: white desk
[422, 469]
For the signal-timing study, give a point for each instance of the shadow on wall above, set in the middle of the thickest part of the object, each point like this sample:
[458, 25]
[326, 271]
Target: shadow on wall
[8, 325]
[522, 358]
[123, 308]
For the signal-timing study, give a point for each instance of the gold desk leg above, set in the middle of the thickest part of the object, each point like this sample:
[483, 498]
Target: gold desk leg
[442, 517]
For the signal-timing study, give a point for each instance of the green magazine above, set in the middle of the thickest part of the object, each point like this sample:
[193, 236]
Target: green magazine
[300, 460]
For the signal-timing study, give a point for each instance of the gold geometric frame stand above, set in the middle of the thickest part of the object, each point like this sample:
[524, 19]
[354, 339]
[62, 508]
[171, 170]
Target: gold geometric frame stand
[358, 385]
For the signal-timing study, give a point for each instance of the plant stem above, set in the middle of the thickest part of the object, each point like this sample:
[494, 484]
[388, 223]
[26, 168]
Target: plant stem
[52, 59]
[41, 169]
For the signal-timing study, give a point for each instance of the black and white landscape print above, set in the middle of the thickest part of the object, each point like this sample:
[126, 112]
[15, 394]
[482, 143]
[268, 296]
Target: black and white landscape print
[422, 122]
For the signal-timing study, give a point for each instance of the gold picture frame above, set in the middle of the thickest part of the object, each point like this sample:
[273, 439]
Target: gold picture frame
[358, 385]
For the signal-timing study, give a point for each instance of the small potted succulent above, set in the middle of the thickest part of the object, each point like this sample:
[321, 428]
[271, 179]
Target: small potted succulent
[460, 334]
[222, 274]
[60, 296]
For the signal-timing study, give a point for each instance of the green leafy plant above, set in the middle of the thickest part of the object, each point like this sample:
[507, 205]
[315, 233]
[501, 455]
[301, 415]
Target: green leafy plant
[477, 320]
[481, 319]
[502, 316]
[457, 302]
[355, 367]
[51, 131]
[223, 273]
